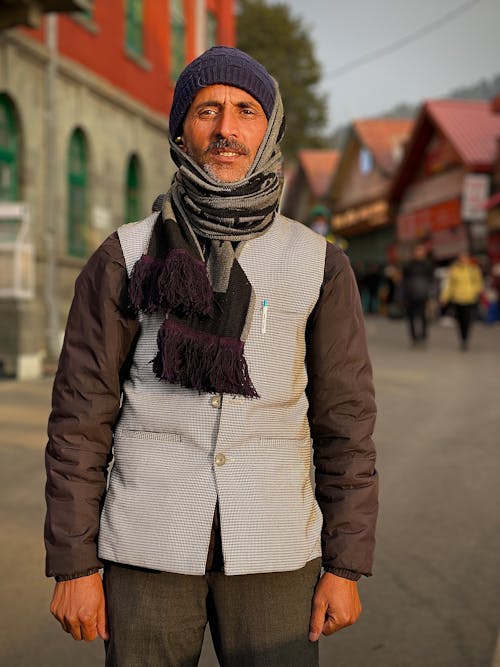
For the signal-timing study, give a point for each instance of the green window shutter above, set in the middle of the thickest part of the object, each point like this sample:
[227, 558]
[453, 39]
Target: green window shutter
[178, 37]
[133, 191]
[134, 33]
[89, 13]
[211, 29]
[9, 151]
[77, 195]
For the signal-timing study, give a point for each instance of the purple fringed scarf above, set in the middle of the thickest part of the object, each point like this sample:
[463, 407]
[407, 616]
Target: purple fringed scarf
[201, 360]
[177, 282]
[200, 343]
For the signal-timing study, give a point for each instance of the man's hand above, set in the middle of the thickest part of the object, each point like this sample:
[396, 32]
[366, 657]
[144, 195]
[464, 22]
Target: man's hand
[78, 605]
[335, 605]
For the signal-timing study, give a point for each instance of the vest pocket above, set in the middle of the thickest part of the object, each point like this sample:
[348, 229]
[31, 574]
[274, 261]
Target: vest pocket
[148, 435]
[286, 442]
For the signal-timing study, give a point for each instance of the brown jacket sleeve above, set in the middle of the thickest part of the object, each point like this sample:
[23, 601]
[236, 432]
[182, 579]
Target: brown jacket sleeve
[85, 405]
[342, 418]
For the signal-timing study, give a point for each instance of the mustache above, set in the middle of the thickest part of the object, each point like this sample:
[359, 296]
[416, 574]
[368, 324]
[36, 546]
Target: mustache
[228, 144]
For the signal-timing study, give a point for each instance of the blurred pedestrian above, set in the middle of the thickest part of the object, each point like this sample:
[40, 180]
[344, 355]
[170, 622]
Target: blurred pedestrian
[208, 513]
[462, 288]
[393, 298]
[417, 287]
[371, 282]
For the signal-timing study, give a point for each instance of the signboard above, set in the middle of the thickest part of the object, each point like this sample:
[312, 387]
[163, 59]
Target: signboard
[419, 223]
[475, 192]
[372, 215]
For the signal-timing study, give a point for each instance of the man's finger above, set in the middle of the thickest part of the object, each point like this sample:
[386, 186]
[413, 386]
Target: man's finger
[339, 621]
[317, 621]
[330, 626]
[74, 630]
[88, 629]
[102, 624]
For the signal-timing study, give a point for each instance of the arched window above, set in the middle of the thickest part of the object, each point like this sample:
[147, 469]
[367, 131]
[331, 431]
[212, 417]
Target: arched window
[133, 209]
[77, 195]
[134, 32]
[178, 37]
[9, 151]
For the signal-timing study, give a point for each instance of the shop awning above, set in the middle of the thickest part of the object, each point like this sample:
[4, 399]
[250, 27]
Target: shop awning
[29, 12]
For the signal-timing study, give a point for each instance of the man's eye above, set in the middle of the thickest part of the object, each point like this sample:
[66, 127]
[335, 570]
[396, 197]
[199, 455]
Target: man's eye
[248, 112]
[207, 112]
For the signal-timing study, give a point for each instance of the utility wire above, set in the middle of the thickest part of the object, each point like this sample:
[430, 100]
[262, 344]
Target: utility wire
[402, 42]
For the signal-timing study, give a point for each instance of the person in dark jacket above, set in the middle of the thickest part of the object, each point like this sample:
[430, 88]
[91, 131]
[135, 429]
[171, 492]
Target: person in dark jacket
[206, 346]
[418, 284]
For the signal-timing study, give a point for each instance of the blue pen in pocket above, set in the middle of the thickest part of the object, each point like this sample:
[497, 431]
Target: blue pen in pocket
[265, 308]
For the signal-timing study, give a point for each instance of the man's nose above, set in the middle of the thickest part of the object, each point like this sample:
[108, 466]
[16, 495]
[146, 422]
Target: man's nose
[227, 125]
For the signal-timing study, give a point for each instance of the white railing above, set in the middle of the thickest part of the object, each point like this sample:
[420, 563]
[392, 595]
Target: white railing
[17, 257]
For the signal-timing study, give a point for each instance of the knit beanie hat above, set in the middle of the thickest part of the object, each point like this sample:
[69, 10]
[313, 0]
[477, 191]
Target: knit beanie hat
[225, 65]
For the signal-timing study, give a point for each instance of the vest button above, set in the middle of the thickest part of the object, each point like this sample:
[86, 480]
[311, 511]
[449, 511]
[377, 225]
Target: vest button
[215, 401]
[220, 459]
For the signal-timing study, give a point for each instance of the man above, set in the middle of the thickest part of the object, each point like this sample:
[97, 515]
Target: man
[206, 344]
[418, 284]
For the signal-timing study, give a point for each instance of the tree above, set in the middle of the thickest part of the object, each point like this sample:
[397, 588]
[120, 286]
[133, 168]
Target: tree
[276, 38]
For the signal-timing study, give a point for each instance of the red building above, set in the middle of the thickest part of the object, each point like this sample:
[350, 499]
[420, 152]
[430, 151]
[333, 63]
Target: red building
[443, 182]
[140, 46]
[493, 208]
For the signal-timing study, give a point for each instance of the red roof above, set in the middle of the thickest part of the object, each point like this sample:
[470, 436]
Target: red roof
[384, 137]
[471, 127]
[319, 166]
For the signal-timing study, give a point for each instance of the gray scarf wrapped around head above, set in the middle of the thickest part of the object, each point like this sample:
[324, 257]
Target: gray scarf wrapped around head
[229, 212]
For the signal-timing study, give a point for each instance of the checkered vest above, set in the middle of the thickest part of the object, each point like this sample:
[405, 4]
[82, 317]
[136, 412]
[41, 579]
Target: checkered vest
[176, 451]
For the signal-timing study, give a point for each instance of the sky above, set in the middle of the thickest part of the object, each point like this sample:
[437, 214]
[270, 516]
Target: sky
[447, 44]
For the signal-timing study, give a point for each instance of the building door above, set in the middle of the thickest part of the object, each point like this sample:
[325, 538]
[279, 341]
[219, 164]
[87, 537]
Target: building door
[9, 151]
[77, 195]
[133, 210]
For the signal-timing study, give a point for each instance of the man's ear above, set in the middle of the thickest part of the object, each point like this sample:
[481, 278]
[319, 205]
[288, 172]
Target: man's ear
[180, 142]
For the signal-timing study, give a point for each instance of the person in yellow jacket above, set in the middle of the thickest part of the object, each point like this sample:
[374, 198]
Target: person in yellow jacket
[462, 288]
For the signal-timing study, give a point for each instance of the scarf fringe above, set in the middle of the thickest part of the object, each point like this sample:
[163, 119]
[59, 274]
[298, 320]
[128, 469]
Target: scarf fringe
[202, 361]
[178, 283]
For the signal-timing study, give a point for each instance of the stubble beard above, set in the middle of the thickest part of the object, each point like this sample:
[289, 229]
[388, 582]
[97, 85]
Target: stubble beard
[201, 159]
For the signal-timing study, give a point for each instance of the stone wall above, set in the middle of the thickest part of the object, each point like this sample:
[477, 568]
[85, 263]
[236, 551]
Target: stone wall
[116, 127]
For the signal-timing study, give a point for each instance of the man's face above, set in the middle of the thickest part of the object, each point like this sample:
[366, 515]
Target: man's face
[223, 130]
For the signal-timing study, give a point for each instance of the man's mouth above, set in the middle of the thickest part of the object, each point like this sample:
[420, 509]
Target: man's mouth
[227, 153]
[228, 149]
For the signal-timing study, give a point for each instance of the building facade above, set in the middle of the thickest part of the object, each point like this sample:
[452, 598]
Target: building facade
[493, 209]
[84, 103]
[307, 184]
[360, 187]
[443, 183]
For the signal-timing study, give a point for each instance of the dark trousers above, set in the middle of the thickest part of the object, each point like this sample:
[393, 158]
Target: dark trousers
[158, 619]
[464, 315]
[417, 320]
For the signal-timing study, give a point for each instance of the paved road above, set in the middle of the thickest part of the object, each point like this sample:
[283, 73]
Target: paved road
[434, 600]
